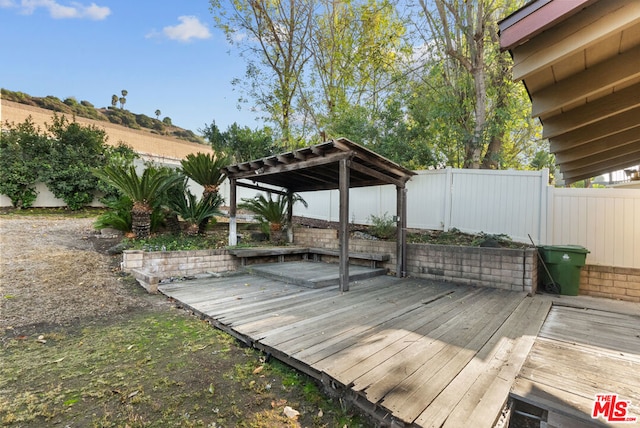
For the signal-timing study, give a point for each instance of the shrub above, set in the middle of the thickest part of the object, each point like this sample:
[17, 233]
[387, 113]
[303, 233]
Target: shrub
[144, 121]
[384, 226]
[23, 148]
[74, 151]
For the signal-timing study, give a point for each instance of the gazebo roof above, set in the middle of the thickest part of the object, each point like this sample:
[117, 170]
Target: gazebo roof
[317, 168]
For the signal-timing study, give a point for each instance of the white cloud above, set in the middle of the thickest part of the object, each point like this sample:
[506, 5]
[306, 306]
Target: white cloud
[189, 28]
[60, 11]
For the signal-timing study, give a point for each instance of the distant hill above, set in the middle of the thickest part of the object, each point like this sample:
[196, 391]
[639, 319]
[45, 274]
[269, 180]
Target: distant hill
[149, 143]
[110, 114]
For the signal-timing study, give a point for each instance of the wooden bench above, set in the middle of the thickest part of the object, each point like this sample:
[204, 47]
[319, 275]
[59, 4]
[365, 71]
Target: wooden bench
[280, 252]
[374, 258]
[305, 252]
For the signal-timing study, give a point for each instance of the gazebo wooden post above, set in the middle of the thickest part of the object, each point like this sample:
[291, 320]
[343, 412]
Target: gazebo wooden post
[344, 224]
[401, 240]
[290, 196]
[233, 232]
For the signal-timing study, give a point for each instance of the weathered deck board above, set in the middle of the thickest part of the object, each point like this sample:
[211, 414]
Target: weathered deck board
[478, 393]
[581, 352]
[429, 354]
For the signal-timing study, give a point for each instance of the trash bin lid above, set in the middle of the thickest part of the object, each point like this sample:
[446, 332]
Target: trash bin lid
[566, 248]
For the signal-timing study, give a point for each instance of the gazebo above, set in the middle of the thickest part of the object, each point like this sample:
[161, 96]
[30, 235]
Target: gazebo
[335, 164]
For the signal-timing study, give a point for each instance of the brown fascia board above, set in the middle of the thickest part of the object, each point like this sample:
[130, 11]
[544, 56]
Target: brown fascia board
[535, 17]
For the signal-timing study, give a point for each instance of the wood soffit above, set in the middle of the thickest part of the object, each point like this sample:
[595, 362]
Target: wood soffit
[580, 63]
[317, 168]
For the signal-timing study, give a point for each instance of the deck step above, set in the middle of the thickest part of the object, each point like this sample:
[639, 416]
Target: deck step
[311, 274]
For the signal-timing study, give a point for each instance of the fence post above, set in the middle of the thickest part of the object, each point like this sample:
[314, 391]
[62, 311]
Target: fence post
[448, 190]
[543, 207]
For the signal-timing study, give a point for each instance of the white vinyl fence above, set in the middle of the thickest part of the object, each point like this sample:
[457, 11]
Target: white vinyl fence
[515, 203]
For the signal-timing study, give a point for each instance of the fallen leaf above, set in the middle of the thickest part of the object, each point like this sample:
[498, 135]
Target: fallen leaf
[291, 413]
[129, 347]
[212, 389]
[133, 394]
[258, 369]
[58, 360]
[320, 413]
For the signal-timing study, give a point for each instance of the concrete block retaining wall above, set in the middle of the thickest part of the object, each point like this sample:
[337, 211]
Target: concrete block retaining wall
[511, 269]
[149, 268]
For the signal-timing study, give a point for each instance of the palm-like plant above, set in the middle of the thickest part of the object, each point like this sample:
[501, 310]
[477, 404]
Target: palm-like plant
[194, 212]
[272, 214]
[145, 191]
[206, 170]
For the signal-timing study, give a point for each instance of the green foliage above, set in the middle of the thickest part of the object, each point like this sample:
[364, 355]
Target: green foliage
[242, 143]
[383, 227]
[146, 189]
[74, 151]
[118, 216]
[122, 117]
[167, 121]
[22, 151]
[185, 134]
[194, 211]
[271, 212]
[144, 121]
[62, 157]
[205, 169]
[166, 242]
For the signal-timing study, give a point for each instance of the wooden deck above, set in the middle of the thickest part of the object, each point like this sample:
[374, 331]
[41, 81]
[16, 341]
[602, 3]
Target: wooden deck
[586, 347]
[408, 351]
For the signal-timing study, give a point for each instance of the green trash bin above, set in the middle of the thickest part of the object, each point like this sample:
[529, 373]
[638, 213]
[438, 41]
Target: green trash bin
[564, 263]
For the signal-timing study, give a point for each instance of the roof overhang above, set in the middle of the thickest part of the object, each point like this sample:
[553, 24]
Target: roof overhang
[580, 63]
[317, 168]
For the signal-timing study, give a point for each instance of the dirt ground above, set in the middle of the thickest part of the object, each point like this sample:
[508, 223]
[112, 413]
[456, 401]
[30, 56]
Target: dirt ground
[81, 344]
[55, 270]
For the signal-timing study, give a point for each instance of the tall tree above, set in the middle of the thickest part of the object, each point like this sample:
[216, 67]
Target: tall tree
[123, 98]
[278, 33]
[114, 100]
[158, 113]
[355, 46]
[463, 34]
[241, 143]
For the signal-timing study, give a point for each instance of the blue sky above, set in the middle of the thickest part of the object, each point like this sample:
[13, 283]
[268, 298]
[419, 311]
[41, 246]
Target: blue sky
[167, 54]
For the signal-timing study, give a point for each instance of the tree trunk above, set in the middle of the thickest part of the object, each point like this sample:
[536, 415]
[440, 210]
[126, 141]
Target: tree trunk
[141, 219]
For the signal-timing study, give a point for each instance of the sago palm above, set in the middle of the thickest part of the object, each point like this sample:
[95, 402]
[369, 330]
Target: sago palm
[194, 211]
[145, 191]
[273, 214]
[206, 170]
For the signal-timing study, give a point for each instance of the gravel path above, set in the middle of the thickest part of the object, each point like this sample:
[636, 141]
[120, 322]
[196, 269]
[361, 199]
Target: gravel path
[52, 273]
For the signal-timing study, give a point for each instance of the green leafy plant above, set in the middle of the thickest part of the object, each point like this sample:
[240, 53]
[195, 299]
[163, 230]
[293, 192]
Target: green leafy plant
[145, 191]
[383, 227]
[22, 149]
[74, 151]
[272, 214]
[119, 215]
[194, 211]
[206, 170]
